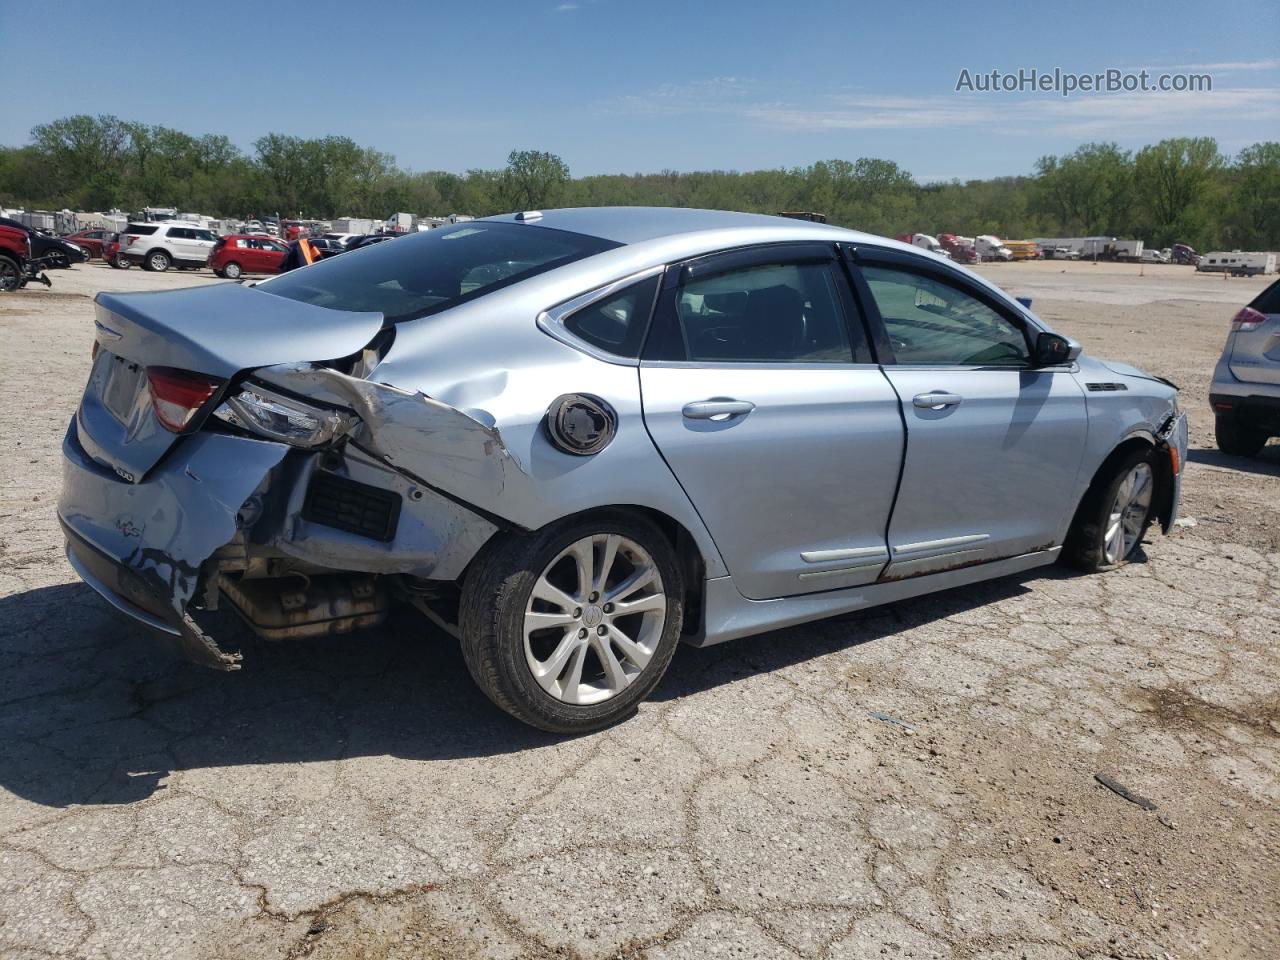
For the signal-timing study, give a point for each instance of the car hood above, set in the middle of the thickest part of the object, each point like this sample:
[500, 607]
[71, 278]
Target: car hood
[1128, 370]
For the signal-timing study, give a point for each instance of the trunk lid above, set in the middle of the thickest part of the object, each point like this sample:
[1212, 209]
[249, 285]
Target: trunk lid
[218, 330]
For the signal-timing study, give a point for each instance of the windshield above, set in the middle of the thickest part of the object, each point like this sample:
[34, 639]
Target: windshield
[425, 273]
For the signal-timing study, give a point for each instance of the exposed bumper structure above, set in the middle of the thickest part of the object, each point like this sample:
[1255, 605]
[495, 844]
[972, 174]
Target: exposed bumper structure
[142, 545]
[223, 505]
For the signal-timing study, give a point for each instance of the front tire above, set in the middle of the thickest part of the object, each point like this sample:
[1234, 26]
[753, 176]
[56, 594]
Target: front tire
[157, 261]
[568, 629]
[1236, 439]
[1113, 518]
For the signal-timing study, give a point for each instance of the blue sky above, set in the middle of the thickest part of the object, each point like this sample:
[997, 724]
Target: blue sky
[617, 86]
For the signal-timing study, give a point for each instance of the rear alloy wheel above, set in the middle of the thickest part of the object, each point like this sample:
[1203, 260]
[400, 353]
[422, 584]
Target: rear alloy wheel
[569, 629]
[1235, 438]
[157, 261]
[1114, 516]
[232, 271]
[120, 263]
[10, 275]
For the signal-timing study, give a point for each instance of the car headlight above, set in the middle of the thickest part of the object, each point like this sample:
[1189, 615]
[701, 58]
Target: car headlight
[278, 417]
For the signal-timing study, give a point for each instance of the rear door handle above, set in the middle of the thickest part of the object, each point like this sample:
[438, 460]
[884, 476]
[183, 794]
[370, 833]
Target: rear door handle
[720, 408]
[936, 400]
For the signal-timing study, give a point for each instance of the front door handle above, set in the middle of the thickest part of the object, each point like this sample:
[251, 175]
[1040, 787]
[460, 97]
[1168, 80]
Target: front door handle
[936, 400]
[719, 408]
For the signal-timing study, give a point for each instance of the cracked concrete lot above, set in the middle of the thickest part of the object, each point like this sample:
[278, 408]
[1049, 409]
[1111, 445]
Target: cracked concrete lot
[358, 797]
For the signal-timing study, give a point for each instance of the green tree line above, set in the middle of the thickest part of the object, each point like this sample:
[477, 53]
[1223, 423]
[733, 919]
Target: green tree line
[1178, 190]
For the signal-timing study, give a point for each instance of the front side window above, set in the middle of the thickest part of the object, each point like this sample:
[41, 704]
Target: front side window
[617, 323]
[427, 273]
[772, 313]
[933, 323]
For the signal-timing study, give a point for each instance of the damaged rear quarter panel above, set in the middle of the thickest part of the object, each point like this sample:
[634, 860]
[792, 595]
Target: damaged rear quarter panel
[459, 403]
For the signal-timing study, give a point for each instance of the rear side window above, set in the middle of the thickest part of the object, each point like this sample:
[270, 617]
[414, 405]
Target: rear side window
[427, 273]
[1268, 301]
[773, 313]
[141, 229]
[616, 324]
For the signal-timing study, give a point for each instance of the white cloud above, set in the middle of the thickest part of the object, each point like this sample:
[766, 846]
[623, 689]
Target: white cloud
[1092, 115]
[566, 7]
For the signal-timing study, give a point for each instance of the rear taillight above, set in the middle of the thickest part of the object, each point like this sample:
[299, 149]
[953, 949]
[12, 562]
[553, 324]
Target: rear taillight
[1247, 319]
[128, 241]
[178, 395]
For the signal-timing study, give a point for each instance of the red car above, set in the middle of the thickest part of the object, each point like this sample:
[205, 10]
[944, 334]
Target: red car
[111, 251]
[246, 253]
[15, 250]
[90, 241]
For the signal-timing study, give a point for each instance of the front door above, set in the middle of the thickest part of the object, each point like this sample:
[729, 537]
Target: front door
[994, 444]
[760, 393]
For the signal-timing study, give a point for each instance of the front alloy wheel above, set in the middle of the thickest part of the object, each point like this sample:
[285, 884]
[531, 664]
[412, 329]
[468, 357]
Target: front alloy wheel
[569, 628]
[1130, 510]
[1114, 515]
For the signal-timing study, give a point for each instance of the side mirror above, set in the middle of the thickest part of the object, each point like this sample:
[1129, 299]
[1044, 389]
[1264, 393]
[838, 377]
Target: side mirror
[1053, 349]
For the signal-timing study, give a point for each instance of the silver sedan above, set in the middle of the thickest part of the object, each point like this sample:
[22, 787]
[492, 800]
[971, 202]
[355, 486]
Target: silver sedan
[574, 439]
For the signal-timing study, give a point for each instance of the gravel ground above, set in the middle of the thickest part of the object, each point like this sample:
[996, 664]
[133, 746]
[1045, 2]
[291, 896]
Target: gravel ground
[359, 798]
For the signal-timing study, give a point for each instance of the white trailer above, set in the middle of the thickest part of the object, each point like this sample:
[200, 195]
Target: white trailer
[1238, 263]
[356, 225]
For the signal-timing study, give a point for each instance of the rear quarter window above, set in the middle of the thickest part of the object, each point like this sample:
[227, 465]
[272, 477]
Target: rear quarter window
[1268, 301]
[141, 229]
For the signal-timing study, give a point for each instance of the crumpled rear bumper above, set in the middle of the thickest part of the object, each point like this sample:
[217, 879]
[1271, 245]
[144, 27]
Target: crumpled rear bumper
[141, 546]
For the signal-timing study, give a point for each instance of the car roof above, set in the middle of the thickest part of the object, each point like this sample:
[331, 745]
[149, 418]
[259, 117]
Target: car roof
[629, 225]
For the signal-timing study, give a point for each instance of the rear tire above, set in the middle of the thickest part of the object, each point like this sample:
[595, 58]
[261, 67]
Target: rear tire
[120, 263]
[1235, 438]
[157, 261]
[232, 271]
[1114, 516]
[594, 660]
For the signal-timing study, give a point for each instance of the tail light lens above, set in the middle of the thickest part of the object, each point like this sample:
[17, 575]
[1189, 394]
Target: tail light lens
[129, 241]
[178, 395]
[1247, 319]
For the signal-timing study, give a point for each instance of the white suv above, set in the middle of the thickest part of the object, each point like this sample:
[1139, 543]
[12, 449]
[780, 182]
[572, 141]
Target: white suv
[159, 246]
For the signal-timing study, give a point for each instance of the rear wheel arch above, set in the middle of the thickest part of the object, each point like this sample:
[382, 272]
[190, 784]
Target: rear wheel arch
[693, 566]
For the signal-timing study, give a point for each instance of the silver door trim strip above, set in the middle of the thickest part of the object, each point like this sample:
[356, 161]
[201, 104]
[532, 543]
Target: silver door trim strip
[925, 546]
[858, 568]
[847, 553]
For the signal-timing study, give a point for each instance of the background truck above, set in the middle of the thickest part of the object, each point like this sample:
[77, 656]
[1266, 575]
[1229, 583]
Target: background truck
[924, 242]
[961, 249]
[991, 247]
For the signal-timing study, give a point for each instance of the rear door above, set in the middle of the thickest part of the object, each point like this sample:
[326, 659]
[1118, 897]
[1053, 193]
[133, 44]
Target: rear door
[993, 444]
[1255, 349]
[761, 393]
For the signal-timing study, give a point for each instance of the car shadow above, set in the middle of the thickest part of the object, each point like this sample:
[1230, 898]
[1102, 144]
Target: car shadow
[91, 712]
[1266, 463]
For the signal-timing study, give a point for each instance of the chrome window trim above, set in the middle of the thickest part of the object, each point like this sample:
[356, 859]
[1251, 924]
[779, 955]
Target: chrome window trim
[551, 320]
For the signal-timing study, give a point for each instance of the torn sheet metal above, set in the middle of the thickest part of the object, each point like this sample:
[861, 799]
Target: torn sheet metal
[435, 537]
[147, 541]
[406, 429]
